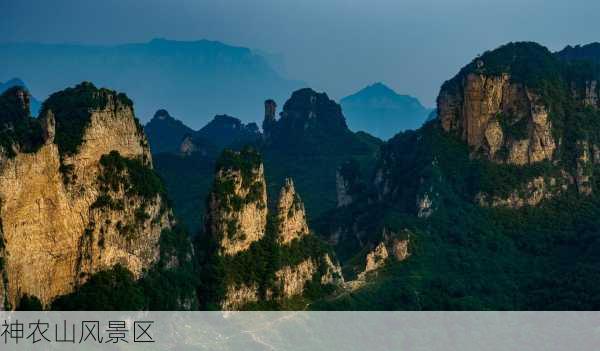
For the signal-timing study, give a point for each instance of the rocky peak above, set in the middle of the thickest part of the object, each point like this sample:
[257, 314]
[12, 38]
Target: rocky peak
[162, 114]
[270, 119]
[379, 89]
[307, 115]
[520, 105]
[263, 258]
[237, 209]
[165, 133]
[17, 99]
[48, 126]
[19, 132]
[306, 105]
[76, 109]
[71, 206]
[291, 215]
[227, 131]
[494, 105]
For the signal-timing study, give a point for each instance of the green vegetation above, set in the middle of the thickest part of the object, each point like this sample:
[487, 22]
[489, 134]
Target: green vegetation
[130, 175]
[17, 127]
[29, 303]
[111, 290]
[515, 130]
[245, 161]
[258, 264]
[168, 285]
[72, 110]
[188, 181]
[465, 257]
[526, 62]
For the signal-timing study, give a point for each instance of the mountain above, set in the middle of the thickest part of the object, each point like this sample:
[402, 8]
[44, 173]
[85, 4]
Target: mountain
[187, 164]
[382, 112]
[497, 200]
[34, 104]
[257, 257]
[194, 78]
[80, 198]
[225, 131]
[165, 133]
[589, 52]
[309, 142]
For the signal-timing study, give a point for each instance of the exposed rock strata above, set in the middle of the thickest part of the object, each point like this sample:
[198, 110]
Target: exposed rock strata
[237, 212]
[291, 214]
[54, 236]
[237, 220]
[486, 110]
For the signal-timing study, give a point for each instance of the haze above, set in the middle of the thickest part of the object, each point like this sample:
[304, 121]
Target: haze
[336, 46]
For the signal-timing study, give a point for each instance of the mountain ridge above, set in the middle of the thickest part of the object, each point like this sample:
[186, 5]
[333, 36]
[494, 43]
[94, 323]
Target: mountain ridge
[195, 79]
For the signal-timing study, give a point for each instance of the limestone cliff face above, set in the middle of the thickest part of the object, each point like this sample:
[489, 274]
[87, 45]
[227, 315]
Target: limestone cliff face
[393, 246]
[239, 295]
[587, 92]
[530, 194]
[237, 209]
[291, 215]
[285, 256]
[502, 119]
[342, 190]
[521, 105]
[55, 232]
[187, 146]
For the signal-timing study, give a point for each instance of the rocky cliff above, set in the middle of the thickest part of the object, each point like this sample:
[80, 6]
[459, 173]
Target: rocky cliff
[291, 216]
[77, 198]
[311, 131]
[261, 257]
[520, 105]
[499, 194]
[237, 206]
[503, 119]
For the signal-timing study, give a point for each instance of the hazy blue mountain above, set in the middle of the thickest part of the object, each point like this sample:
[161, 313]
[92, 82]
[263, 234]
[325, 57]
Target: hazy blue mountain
[432, 115]
[225, 131]
[195, 79]
[165, 133]
[34, 104]
[382, 112]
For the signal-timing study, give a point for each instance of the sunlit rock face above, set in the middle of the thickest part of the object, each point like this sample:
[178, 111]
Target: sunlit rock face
[239, 223]
[501, 119]
[57, 227]
[291, 214]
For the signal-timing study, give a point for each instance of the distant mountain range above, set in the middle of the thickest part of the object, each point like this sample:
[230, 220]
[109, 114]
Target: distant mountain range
[380, 111]
[34, 104]
[195, 79]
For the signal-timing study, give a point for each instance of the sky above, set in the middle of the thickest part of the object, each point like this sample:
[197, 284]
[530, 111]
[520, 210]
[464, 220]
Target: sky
[336, 46]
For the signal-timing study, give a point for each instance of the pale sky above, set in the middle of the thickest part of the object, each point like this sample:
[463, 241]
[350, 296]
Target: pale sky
[337, 46]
